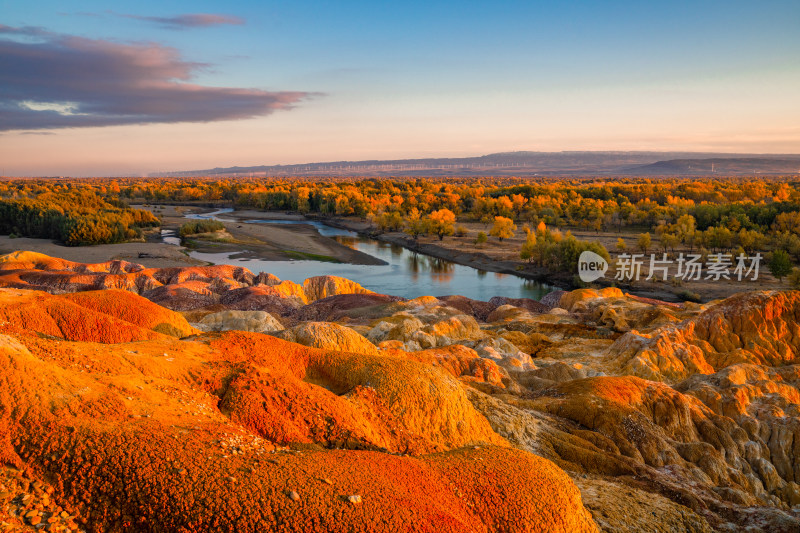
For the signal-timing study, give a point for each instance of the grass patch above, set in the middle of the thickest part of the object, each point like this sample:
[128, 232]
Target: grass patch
[311, 257]
[212, 238]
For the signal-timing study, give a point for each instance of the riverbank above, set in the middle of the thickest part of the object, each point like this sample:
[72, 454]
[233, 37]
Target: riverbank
[262, 241]
[152, 254]
[294, 238]
[456, 250]
[503, 257]
[394, 269]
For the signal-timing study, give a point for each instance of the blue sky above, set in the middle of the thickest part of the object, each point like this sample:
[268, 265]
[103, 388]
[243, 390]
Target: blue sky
[265, 82]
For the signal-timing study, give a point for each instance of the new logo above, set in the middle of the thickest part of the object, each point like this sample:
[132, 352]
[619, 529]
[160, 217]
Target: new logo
[591, 266]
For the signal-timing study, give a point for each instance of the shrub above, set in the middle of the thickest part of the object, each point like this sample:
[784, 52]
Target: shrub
[689, 296]
[794, 278]
[200, 226]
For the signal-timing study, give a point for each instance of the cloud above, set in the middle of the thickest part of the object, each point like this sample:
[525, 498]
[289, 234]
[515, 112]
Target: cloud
[190, 20]
[50, 81]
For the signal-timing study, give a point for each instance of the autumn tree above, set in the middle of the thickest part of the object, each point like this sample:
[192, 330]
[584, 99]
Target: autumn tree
[685, 230]
[389, 221]
[415, 224]
[503, 228]
[441, 223]
[644, 242]
[529, 248]
[669, 241]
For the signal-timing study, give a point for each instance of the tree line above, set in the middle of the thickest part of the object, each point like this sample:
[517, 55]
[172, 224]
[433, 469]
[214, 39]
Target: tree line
[715, 214]
[75, 217]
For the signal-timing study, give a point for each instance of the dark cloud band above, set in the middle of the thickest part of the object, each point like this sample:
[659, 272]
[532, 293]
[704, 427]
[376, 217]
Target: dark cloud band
[193, 20]
[62, 81]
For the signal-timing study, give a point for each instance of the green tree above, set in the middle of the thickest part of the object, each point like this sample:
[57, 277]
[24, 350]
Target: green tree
[781, 264]
[481, 238]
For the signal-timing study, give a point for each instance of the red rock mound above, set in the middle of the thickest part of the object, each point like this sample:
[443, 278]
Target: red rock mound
[183, 296]
[37, 312]
[525, 303]
[178, 288]
[394, 392]
[134, 309]
[336, 307]
[170, 435]
[260, 298]
[475, 308]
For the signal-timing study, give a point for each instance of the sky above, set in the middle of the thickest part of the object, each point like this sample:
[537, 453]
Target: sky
[91, 88]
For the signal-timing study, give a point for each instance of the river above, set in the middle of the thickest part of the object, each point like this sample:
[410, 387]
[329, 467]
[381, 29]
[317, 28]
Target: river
[405, 273]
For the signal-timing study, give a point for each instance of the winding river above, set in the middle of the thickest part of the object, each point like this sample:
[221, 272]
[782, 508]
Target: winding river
[406, 273]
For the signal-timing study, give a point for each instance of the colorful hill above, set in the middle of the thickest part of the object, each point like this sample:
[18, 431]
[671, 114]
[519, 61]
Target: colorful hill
[253, 404]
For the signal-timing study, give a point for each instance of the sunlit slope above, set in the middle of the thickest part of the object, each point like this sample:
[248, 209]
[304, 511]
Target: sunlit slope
[150, 432]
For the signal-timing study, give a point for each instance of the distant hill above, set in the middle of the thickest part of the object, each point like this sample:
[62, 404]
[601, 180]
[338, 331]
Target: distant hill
[725, 166]
[530, 164]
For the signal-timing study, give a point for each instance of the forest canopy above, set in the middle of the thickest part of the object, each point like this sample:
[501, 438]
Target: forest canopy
[76, 217]
[758, 213]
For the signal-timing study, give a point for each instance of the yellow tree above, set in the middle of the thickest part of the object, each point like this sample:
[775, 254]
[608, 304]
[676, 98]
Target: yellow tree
[441, 223]
[415, 225]
[503, 228]
[504, 205]
[644, 241]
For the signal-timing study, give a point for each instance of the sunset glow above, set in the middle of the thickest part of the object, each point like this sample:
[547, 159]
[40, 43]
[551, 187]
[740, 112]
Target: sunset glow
[93, 89]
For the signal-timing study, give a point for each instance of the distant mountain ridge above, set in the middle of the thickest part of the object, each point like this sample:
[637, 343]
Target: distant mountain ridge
[571, 163]
[725, 166]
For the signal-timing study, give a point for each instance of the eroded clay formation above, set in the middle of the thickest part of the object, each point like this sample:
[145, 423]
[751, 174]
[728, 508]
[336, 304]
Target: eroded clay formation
[210, 398]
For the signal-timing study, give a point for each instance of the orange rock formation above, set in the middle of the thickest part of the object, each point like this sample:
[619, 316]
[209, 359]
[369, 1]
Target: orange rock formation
[374, 413]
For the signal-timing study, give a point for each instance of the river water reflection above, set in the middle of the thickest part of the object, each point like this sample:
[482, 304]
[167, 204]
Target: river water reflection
[405, 273]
